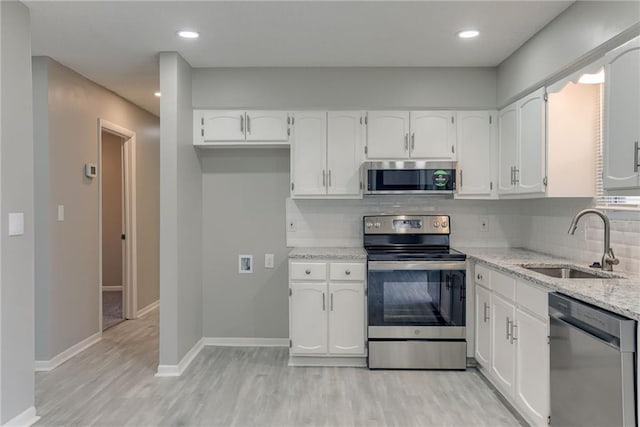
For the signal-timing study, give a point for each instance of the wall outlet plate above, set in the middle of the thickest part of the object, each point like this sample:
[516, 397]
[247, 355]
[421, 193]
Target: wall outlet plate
[90, 170]
[269, 260]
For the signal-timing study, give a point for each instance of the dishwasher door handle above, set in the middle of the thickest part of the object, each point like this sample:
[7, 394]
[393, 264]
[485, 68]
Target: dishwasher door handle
[603, 338]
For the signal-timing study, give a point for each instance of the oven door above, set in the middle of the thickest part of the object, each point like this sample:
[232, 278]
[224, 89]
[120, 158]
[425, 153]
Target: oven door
[416, 299]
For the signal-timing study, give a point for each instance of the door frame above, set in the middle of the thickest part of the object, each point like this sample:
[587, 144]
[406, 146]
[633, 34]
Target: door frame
[130, 267]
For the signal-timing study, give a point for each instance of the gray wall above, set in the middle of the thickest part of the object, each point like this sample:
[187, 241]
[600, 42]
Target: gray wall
[67, 265]
[345, 88]
[16, 195]
[243, 193]
[180, 215]
[578, 35]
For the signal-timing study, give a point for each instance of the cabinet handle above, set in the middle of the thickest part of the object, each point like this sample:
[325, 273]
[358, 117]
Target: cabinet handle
[406, 141]
[479, 276]
[242, 123]
[460, 177]
[323, 302]
[307, 272]
[324, 178]
[248, 123]
[516, 175]
[512, 175]
[329, 177]
[413, 141]
[513, 335]
[486, 314]
[348, 272]
[635, 156]
[508, 329]
[331, 301]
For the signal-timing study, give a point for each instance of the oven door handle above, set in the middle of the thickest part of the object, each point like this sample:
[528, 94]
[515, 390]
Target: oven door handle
[416, 265]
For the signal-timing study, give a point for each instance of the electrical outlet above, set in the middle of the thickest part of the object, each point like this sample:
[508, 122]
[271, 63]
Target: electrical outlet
[484, 224]
[268, 260]
[291, 226]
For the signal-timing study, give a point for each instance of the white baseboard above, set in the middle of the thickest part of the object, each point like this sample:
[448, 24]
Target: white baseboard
[48, 365]
[25, 419]
[177, 370]
[112, 288]
[343, 362]
[246, 342]
[148, 309]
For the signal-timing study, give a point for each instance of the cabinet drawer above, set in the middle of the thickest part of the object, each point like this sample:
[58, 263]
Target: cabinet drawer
[483, 276]
[503, 285]
[308, 271]
[533, 298]
[346, 271]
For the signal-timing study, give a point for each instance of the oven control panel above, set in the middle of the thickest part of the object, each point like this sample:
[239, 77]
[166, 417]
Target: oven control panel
[407, 224]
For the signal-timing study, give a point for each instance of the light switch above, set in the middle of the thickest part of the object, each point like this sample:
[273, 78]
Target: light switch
[60, 212]
[16, 224]
[268, 260]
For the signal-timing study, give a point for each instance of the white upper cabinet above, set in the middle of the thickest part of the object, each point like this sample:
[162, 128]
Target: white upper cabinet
[309, 154]
[235, 127]
[522, 152]
[220, 126]
[530, 172]
[326, 154]
[387, 135]
[344, 152]
[476, 135]
[433, 135]
[267, 126]
[622, 118]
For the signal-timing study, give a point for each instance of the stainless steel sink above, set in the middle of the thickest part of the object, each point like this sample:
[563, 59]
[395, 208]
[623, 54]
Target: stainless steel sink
[568, 272]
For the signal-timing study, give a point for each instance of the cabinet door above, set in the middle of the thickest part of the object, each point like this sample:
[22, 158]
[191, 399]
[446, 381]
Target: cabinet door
[507, 148]
[308, 322]
[483, 326]
[474, 152]
[503, 354]
[532, 361]
[267, 126]
[309, 154]
[387, 135]
[622, 110]
[222, 126]
[433, 135]
[344, 152]
[532, 143]
[346, 318]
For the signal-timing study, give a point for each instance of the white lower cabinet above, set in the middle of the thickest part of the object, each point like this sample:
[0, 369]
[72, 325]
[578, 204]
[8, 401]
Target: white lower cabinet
[327, 309]
[511, 340]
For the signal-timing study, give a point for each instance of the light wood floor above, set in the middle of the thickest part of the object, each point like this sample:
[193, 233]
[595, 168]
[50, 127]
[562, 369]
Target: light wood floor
[113, 383]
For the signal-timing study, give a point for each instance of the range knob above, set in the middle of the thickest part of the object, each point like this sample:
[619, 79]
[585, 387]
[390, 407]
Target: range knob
[436, 224]
[444, 224]
[378, 225]
[369, 224]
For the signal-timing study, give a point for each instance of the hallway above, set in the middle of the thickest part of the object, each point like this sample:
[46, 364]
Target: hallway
[113, 383]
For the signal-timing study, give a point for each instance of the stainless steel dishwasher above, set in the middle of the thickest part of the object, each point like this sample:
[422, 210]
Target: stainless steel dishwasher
[593, 368]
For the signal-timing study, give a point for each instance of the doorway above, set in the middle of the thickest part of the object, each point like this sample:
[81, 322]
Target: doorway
[116, 172]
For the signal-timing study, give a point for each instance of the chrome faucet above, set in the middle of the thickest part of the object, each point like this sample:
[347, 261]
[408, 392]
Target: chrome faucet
[608, 258]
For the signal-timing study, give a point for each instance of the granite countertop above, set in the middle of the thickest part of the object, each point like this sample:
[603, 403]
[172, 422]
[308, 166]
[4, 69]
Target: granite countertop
[620, 295]
[357, 254]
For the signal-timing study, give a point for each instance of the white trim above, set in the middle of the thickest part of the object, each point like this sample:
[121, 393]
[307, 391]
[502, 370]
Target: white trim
[148, 309]
[48, 365]
[111, 288]
[177, 370]
[341, 362]
[130, 285]
[246, 342]
[25, 419]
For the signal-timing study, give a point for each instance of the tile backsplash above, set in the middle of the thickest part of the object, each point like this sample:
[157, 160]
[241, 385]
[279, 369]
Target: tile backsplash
[540, 225]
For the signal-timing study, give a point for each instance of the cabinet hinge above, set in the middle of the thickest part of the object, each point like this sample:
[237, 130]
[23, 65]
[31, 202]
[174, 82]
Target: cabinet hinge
[292, 186]
[288, 120]
[360, 185]
[290, 292]
[202, 132]
[360, 119]
[490, 119]
[288, 132]
[452, 120]
[202, 121]
[544, 181]
[293, 120]
[548, 340]
[549, 420]
[366, 149]
[290, 344]
[366, 119]
[453, 149]
[491, 185]
[546, 97]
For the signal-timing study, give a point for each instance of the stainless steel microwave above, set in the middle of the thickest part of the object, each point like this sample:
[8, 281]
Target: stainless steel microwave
[409, 177]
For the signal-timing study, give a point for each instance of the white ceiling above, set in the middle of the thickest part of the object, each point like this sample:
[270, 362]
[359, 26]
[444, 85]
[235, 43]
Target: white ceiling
[115, 43]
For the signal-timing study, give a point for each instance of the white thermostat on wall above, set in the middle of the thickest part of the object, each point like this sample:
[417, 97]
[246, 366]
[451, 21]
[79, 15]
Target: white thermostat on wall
[90, 170]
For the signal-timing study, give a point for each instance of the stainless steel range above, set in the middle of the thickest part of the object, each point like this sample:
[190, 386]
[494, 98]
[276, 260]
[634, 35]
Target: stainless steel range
[416, 293]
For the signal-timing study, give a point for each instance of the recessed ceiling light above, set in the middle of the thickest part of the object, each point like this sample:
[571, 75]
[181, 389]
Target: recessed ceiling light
[157, 94]
[188, 34]
[468, 34]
